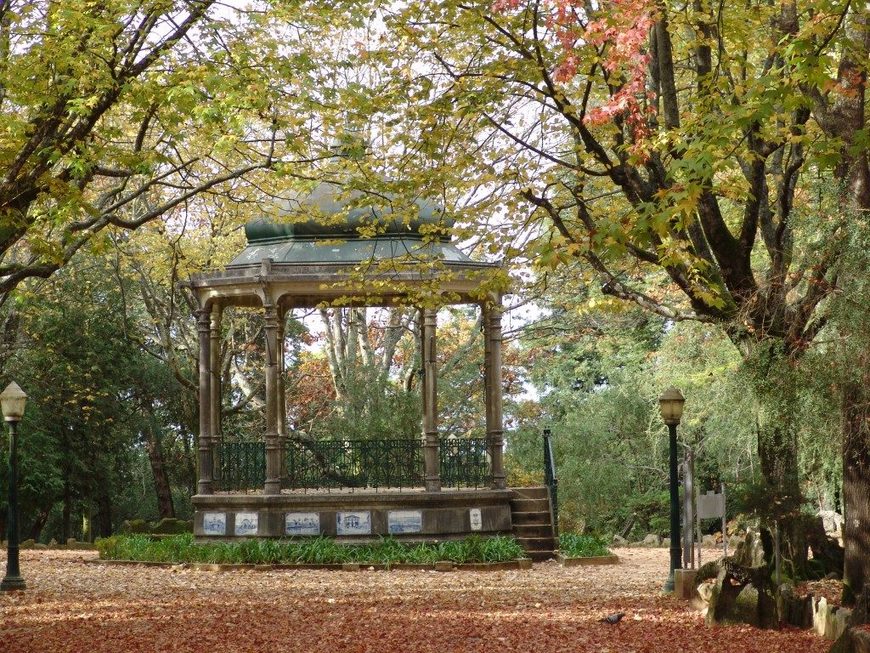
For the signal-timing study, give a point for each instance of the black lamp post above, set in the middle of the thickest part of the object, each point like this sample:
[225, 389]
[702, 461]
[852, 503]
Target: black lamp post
[671, 407]
[12, 401]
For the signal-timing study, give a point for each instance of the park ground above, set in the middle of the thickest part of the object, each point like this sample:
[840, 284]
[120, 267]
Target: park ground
[72, 605]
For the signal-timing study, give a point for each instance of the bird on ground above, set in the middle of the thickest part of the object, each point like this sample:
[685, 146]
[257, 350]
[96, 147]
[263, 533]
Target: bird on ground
[614, 618]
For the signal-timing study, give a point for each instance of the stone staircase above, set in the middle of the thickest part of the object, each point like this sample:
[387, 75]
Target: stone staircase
[533, 523]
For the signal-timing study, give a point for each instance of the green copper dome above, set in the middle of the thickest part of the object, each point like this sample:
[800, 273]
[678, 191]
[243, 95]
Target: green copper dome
[329, 225]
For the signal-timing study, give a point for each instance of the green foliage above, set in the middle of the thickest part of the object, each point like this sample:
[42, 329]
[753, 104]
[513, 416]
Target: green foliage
[576, 545]
[320, 550]
[131, 526]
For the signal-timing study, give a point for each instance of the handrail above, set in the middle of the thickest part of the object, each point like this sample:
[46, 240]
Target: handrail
[551, 481]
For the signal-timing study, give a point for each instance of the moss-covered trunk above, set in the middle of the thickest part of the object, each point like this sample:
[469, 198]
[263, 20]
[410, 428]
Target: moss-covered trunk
[775, 381]
[856, 488]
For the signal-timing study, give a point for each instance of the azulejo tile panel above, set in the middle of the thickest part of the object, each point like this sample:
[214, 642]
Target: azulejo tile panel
[357, 522]
[246, 523]
[214, 523]
[302, 523]
[404, 521]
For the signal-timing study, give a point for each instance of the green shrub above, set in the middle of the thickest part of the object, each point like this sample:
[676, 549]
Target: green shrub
[319, 550]
[582, 546]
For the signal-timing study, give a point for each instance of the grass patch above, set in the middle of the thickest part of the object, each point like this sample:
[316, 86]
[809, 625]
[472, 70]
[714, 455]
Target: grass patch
[320, 550]
[573, 545]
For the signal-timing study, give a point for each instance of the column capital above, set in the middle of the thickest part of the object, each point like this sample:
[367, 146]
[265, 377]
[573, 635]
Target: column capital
[203, 319]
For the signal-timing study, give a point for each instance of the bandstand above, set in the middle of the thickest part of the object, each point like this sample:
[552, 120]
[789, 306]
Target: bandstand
[432, 487]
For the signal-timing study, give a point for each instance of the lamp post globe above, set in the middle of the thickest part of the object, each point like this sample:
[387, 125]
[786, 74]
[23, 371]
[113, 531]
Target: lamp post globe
[671, 406]
[12, 403]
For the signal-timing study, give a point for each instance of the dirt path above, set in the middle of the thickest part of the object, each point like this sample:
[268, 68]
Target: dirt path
[83, 608]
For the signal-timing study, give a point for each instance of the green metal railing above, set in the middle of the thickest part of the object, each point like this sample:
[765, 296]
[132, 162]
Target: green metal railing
[464, 462]
[551, 481]
[240, 465]
[393, 463]
[354, 463]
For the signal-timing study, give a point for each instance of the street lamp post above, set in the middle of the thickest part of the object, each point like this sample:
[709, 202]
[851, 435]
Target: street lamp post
[12, 401]
[671, 407]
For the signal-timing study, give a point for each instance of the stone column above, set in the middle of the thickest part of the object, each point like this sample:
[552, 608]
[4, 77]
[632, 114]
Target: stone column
[215, 389]
[273, 445]
[203, 325]
[493, 381]
[282, 398]
[431, 460]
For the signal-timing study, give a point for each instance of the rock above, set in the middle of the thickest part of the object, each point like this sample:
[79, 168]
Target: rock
[666, 542]
[832, 522]
[619, 541]
[732, 602]
[71, 542]
[742, 591]
[130, 526]
[793, 610]
[705, 591]
[733, 541]
[40, 545]
[52, 543]
[750, 552]
[746, 607]
[828, 555]
[652, 540]
[27, 544]
[708, 540]
[707, 571]
[170, 526]
[829, 621]
[852, 640]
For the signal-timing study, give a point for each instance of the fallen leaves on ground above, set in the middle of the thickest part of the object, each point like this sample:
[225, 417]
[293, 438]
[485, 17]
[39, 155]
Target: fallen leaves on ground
[78, 607]
[830, 589]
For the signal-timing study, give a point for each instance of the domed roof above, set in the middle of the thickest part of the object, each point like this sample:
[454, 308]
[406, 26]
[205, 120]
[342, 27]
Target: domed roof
[335, 212]
[331, 225]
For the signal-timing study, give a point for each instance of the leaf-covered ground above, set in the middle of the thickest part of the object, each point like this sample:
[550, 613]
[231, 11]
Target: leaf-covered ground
[78, 607]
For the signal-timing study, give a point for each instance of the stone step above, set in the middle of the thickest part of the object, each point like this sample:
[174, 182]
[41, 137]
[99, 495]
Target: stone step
[533, 530]
[540, 556]
[531, 492]
[546, 543]
[530, 505]
[537, 517]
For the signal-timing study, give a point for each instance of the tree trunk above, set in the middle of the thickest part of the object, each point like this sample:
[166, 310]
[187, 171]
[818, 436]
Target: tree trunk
[39, 523]
[856, 488]
[778, 457]
[104, 514]
[67, 510]
[774, 383]
[158, 469]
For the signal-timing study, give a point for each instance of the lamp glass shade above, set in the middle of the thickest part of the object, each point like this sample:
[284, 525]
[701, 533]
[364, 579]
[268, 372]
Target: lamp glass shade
[12, 402]
[671, 406]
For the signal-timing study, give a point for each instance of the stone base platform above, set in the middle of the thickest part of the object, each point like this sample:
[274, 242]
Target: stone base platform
[354, 516]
